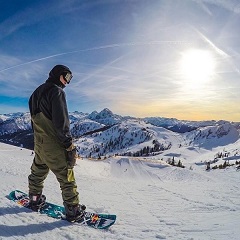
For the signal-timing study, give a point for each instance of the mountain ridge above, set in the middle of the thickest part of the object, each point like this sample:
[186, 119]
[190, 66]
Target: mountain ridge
[104, 133]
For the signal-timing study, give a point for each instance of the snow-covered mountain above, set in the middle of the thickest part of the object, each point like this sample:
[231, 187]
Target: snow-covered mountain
[177, 125]
[161, 184]
[152, 199]
[130, 137]
[220, 134]
[103, 134]
[11, 123]
[105, 117]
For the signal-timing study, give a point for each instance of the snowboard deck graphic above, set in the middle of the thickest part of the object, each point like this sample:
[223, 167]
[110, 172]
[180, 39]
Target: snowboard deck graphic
[95, 220]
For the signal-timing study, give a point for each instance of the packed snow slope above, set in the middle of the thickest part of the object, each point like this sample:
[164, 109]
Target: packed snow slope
[152, 200]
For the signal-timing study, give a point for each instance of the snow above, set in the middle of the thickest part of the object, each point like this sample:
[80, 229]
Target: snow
[152, 200]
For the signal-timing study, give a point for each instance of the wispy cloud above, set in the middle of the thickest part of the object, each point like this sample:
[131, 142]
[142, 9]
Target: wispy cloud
[33, 14]
[231, 5]
[18, 82]
[124, 54]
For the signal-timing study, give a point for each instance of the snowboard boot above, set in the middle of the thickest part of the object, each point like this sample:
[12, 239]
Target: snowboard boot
[74, 213]
[36, 201]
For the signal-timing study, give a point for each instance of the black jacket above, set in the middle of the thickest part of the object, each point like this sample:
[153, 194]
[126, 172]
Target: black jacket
[49, 98]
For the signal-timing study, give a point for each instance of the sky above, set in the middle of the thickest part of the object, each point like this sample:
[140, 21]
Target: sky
[166, 58]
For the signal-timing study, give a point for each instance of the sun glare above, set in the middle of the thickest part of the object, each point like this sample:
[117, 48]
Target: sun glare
[197, 66]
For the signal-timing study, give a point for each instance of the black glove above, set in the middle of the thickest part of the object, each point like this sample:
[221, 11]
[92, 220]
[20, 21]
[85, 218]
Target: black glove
[71, 156]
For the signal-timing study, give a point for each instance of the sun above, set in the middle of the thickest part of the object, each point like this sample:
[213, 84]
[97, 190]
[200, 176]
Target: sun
[197, 66]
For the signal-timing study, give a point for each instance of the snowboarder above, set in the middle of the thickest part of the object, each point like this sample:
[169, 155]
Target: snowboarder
[208, 167]
[53, 144]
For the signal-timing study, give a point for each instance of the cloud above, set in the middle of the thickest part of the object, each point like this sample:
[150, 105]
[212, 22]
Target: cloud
[19, 80]
[129, 63]
[33, 13]
[230, 5]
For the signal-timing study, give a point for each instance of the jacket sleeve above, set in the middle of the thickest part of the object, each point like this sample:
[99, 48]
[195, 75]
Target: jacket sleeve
[60, 117]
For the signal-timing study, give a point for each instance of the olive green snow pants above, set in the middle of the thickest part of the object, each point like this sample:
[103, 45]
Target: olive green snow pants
[50, 155]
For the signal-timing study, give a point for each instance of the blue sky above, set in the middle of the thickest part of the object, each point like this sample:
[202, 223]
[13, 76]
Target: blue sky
[167, 58]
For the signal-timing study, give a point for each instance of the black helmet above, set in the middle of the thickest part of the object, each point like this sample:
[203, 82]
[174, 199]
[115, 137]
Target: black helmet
[57, 71]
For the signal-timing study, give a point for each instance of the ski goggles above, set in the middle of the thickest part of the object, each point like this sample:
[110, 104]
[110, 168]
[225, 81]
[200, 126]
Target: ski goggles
[67, 77]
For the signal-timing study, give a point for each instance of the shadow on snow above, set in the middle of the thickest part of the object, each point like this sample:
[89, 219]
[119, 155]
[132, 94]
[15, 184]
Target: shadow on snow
[22, 230]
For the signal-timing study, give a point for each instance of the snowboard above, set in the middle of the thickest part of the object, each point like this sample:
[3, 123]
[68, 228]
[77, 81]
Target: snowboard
[95, 220]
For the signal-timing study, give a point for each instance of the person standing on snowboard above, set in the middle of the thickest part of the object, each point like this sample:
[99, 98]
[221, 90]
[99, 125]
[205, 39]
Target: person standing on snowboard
[53, 144]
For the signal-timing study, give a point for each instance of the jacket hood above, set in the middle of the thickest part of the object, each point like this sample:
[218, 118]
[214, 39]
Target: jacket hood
[55, 73]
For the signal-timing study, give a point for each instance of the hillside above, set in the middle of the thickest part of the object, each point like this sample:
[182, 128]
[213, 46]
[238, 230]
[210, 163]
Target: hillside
[152, 199]
[104, 134]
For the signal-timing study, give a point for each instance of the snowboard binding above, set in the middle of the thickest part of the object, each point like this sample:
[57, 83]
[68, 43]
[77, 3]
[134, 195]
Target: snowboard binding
[36, 202]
